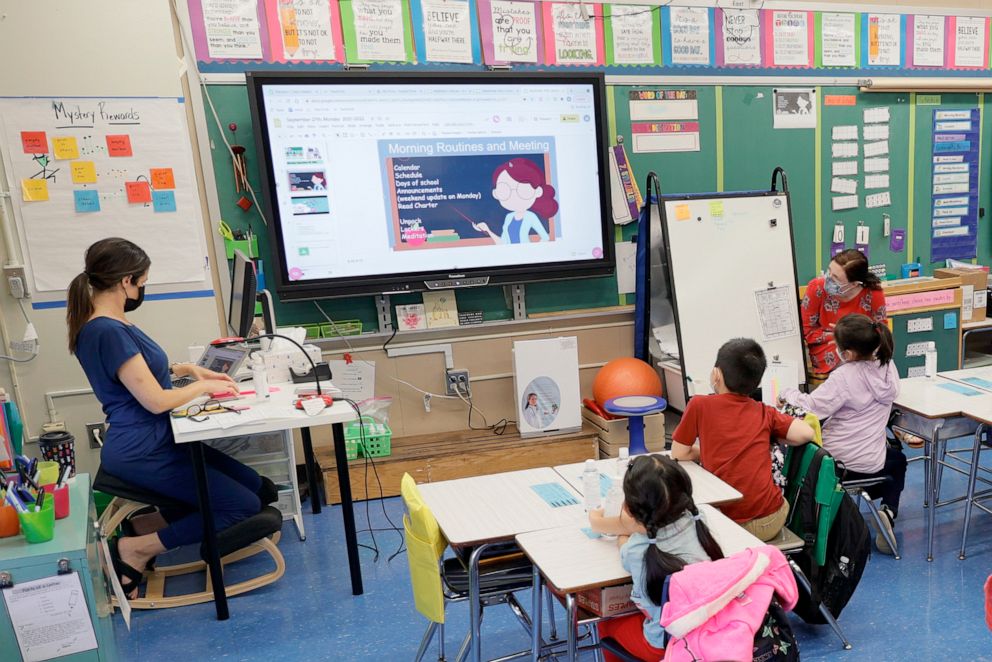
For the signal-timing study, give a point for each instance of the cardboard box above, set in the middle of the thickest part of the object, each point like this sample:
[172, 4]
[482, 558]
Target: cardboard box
[974, 287]
[614, 432]
[607, 601]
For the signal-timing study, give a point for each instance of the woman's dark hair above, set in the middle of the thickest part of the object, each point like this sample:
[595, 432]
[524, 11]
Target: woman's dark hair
[855, 266]
[107, 263]
[657, 492]
[866, 338]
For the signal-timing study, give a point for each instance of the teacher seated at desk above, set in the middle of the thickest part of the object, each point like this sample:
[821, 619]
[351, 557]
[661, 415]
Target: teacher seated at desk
[129, 374]
[848, 287]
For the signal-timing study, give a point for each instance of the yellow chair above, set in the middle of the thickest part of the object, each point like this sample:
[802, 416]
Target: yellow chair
[436, 583]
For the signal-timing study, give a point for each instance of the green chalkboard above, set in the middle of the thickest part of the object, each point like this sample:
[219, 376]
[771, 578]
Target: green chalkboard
[231, 102]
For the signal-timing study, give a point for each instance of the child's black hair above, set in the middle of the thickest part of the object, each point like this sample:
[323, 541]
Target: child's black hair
[742, 362]
[657, 492]
[866, 338]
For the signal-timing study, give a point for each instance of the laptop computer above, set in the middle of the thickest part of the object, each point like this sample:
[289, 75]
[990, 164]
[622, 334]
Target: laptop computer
[219, 359]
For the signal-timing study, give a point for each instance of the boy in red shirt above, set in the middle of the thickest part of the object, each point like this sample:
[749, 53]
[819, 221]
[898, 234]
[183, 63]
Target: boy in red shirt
[731, 434]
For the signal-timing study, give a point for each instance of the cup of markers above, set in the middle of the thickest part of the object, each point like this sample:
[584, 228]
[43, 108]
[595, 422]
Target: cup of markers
[35, 507]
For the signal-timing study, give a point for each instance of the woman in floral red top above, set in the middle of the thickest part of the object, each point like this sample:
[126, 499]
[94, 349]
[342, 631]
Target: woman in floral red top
[847, 288]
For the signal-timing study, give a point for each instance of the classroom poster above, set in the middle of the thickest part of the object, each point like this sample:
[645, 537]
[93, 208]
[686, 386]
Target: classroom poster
[445, 31]
[510, 31]
[838, 40]
[794, 108]
[739, 43]
[970, 36]
[232, 29]
[689, 36]
[573, 35]
[377, 31]
[885, 40]
[93, 197]
[633, 34]
[790, 39]
[928, 41]
[304, 30]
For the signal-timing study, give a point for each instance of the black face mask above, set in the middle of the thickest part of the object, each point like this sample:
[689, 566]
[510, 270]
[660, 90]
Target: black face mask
[130, 304]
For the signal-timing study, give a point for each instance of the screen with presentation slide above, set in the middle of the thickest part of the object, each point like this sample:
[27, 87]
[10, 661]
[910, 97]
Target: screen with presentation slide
[388, 182]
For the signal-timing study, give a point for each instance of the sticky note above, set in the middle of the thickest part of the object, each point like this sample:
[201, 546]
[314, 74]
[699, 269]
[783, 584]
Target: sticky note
[951, 320]
[65, 147]
[162, 178]
[34, 190]
[83, 172]
[119, 145]
[681, 212]
[164, 201]
[87, 200]
[34, 142]
[716, 208]
[138, 192]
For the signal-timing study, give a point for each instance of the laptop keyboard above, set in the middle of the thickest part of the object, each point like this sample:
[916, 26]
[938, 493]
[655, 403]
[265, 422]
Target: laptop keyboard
[182, 381]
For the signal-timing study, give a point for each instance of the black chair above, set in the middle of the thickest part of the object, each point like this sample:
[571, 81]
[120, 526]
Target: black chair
[258, 533]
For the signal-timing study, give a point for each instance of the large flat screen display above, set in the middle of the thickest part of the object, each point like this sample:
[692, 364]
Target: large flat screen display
[386, 182]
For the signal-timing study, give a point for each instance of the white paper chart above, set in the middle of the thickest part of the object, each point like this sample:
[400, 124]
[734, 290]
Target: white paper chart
[50, 617]
[777, 312]
[85, 168]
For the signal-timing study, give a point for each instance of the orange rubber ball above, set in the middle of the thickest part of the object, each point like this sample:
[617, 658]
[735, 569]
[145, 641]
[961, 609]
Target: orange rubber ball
[625, 376]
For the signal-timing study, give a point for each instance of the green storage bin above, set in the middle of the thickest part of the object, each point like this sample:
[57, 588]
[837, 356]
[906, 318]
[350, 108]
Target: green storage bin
[249, 248]
[375, 442]
[342, 328]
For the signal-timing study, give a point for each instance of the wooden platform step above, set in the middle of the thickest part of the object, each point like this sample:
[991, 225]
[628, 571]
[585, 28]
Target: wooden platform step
[449, 455]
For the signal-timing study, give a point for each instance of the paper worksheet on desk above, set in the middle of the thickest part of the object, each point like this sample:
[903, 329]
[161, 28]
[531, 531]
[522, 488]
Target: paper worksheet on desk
[50, 617]
[109, 167]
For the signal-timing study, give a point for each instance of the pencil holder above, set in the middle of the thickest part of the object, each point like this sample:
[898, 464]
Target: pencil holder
[9, 524]
[60, 497]
[48, 472]
[39, 526]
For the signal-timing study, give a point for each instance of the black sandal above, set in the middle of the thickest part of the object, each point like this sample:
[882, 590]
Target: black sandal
[129, 577]
[127, 531]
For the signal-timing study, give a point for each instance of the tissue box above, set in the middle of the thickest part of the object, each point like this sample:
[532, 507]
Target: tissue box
[607, 601]
[278, 362]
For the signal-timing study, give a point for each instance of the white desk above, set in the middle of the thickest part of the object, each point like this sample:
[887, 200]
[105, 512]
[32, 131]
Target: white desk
[274, 414]
[572, 562]
[983, 377]
[963, 414]
[706, 488]
[486, 509]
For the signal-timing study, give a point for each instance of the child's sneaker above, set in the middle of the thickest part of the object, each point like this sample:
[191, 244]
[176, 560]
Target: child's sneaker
[887, 518]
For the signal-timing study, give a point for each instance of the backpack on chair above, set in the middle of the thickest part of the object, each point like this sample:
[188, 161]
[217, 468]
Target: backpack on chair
[838, 543]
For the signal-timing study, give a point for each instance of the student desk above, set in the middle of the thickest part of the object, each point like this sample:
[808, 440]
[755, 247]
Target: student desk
[962, 416]
[571, 562]
[275, 414]
[706, 488]
[483, 510]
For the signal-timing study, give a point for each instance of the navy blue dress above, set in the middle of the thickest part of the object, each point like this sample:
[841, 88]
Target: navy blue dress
[139, 447]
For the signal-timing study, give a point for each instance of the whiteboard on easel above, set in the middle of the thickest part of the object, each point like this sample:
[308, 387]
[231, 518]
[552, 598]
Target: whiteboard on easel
[83, 168]
[733, 275]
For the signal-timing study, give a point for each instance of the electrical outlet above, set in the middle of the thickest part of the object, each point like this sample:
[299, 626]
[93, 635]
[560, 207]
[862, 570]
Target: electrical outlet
[17, 282]
[456, 381]
[95, 433]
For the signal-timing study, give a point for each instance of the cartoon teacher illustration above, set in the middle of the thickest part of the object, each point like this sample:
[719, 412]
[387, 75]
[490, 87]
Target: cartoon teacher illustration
[521, 189]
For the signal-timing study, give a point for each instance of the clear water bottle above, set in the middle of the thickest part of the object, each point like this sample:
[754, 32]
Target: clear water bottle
[260, 380]
[614, 500]
[623, 459]
[930, 360]
[590, 486]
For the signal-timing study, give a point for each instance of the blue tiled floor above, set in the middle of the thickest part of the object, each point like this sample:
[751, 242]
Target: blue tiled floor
[903, 610]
